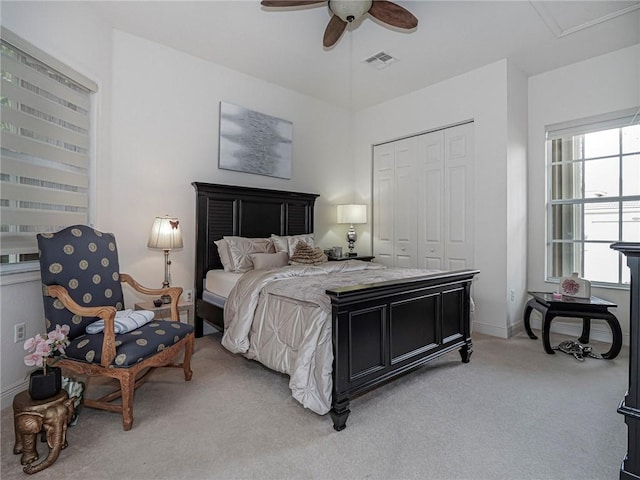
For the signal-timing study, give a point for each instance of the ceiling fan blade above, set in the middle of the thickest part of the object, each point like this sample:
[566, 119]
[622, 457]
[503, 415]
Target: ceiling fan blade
[289, 3]
[333, 31]
[393, 14]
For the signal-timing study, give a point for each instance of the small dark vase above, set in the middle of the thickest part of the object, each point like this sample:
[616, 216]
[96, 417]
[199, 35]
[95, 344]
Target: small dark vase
[43, 386]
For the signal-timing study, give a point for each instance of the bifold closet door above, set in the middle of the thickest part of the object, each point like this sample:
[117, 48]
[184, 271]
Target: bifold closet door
[458, 197]
[394, 203]
[445, 198]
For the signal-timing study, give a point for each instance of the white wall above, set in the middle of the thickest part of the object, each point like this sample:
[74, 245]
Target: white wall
[479, 95]
[603, 84]
[165, 136]
[516, 185]
[158, 112]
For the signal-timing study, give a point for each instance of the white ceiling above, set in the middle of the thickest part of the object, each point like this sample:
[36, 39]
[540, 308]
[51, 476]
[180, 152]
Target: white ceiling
[284, 46]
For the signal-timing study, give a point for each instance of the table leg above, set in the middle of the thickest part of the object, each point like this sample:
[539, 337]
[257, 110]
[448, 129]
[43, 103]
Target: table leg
[527, 315]
[546, 327]
[616, 332]
[586, 330]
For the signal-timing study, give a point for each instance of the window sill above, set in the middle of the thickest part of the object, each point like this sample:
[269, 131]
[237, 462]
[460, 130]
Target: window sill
[13, 274]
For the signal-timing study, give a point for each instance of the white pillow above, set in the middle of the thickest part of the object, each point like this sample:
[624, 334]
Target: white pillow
[241, 249]
[125, 321]
[288, 243]
[225, 256]
[262, 261]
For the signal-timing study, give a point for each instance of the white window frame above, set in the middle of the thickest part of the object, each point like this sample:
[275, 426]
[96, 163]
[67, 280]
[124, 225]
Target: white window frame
[583, 126]
[62, 70]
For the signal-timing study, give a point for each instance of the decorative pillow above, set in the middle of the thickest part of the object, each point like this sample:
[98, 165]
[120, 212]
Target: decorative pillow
[305, 254]
[225, 256]
[262, 261]
[241, 249]
[288, 243]
[125, 321]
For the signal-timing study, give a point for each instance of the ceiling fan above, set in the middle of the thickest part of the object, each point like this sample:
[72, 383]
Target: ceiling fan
[347, 11]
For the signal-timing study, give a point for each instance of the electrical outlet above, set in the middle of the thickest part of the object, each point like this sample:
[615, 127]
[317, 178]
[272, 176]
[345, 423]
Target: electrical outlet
[513, 295]
[19, 332]
[188, 295]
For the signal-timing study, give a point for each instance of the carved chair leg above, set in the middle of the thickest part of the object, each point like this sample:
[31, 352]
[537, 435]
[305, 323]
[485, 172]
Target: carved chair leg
[127, 386]
[188, 351]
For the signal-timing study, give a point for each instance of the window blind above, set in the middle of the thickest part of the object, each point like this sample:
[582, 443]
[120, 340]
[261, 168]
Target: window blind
[594, 124]
[45, 153]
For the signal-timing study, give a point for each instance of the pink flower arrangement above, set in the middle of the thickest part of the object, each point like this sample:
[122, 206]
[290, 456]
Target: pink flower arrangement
[570, 286]
[42, 348]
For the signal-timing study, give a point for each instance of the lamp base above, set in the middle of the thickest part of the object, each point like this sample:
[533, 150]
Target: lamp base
[352, 254]
[165, 298]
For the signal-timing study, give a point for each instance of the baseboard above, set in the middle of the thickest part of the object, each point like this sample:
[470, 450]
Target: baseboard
[486, 329]
[6, 398]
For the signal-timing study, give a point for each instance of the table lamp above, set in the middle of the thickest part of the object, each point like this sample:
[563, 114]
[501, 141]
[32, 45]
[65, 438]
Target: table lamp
[352, 214]
[165, 235]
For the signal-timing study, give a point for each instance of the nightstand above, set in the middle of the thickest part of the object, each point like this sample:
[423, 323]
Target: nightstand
[163, 312]
[364, 258]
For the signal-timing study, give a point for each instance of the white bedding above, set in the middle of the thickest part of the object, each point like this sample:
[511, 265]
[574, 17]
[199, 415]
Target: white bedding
[220, 282]
[282, 318]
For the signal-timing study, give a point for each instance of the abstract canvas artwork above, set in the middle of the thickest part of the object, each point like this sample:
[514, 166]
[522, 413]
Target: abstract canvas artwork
[254, 142]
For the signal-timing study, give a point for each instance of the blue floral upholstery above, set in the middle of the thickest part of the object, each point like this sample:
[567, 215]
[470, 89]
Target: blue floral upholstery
[85, 262]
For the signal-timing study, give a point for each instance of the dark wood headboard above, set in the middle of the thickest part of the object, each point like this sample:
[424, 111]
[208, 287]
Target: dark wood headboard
[224, 210]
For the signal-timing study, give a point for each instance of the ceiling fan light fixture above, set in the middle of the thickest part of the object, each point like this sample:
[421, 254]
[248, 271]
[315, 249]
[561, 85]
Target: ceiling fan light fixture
[350, 10]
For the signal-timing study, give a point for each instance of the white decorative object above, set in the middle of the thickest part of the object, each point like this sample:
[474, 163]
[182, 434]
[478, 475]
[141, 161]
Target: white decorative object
[575, 286]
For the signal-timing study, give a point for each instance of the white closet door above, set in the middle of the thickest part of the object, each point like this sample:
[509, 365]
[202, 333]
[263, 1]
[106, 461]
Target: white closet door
[458, 198]
[404, 213]
[430, 194]
[383, 203]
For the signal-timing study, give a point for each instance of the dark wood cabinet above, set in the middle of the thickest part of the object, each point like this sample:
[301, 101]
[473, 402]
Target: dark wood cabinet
[630, 405]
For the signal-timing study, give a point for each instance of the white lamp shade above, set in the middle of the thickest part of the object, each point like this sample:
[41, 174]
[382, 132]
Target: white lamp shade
[165, 234]
[352, 214]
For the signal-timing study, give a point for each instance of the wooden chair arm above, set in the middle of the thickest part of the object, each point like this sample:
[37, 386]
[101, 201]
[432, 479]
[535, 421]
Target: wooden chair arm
[173, 292]
[108, 314]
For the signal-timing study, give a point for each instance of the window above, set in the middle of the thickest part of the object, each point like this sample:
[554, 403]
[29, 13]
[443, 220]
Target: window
[594, 197]
[45, 138]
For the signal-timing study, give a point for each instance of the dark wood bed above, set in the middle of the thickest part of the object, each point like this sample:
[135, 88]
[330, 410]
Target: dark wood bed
[380, 331]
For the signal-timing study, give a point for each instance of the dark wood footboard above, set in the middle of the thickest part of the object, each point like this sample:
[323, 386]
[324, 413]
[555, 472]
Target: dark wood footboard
[384, 330]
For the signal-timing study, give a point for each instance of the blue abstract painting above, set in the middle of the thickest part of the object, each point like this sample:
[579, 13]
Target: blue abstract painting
[254, 142]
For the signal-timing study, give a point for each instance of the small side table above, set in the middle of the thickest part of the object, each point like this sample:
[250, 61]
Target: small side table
[163, 312]
[585, 308]
[30, 417]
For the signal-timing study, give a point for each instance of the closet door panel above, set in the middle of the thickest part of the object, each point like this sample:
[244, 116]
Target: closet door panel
[383, 203]
[430, 192]
[405, 227]
[458, 207]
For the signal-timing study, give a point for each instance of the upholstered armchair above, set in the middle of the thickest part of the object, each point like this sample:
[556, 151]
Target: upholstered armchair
[82, 284]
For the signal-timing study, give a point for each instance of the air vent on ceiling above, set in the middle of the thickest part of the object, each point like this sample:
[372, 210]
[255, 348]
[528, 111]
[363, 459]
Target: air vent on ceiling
[380, 60]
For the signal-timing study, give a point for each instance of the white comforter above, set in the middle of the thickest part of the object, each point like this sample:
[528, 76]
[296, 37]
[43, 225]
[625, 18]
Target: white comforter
[282, 318]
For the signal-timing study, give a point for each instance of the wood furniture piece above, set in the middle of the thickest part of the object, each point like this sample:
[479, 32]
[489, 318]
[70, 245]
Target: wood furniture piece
[163, 312]
[32, 417]
[585, 308]
[82, 284]
[379, 331]
[630, 405]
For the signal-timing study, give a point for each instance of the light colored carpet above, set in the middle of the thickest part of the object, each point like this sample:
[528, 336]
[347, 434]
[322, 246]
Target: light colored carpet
[513, 412]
